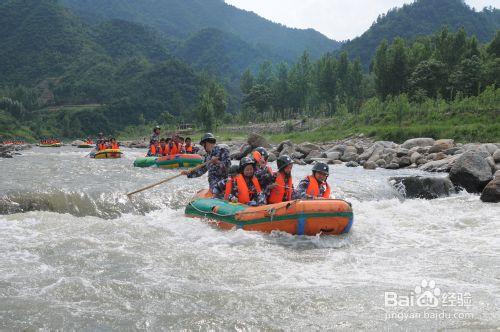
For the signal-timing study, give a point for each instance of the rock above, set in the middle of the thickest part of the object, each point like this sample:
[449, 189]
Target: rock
[287, 150]
[335, 155]
[381, 163]
[138, 144]
[402, 152]
[489, 147]
[491, 193]
[284, 144]
[491, 162]
[351, 164]
[272, 157]
[404, 162]
[335, 162]
[314, 155]
[392, 166]
[256, 140]
[423, 187]
[415, 157]
[242, 151]
[370, 165]
[299, 162]
[471, 171]
[442, 145]
[453, 151]
[77, 142]
[418, 142]
[496, 156]
[340, 148]
[306, 148]
[387, 144]
[443, 165]
[497, 175]
[359, 149]
[350, 154]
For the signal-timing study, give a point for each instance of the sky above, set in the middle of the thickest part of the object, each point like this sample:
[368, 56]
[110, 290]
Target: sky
[337, 19]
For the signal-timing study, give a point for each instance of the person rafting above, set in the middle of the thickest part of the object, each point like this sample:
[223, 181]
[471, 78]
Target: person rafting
[162, 148]
[315, 186]
[263, 171]
[281, 190]
[216, 159]
[220, 188]
[189, 147]
[100, 142]
[175, 147]
[155, 136]
[244, 188]
[113, 144]
[154, 147]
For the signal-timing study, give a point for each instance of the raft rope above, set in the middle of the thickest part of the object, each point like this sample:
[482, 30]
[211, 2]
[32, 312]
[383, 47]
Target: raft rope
[271, 211]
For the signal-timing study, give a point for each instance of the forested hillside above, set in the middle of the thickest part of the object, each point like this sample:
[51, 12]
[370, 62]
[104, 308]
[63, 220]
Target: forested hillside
[181, 19]
[422, 18]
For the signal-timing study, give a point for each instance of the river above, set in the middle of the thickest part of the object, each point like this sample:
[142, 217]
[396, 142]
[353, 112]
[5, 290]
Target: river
[75, 253]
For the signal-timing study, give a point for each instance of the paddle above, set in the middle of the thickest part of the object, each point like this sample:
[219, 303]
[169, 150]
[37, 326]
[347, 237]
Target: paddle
[166, 180]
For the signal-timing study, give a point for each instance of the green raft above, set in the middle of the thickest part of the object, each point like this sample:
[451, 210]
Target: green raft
[145, 162]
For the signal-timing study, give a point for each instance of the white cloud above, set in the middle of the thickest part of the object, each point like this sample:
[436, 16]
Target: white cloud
[338, 19]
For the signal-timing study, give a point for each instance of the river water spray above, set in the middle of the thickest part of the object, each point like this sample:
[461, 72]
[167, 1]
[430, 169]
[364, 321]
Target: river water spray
[75, 253]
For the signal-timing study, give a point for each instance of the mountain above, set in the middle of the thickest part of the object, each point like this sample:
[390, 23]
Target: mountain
[38, 39]
[182, 18]
[128, 67]
[423, 18]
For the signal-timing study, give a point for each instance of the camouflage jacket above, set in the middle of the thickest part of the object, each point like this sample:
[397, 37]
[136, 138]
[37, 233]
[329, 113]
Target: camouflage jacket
[264, 176]
[302, 189]
[218, 172]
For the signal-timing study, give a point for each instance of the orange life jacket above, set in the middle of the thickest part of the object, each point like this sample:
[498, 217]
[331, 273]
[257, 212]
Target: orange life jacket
[101, 146]
[313, 189]
[283, 191]
[162, 151]
[115, 146]
[189, 149]
[152, 148]
[243, 193]
[172, 149]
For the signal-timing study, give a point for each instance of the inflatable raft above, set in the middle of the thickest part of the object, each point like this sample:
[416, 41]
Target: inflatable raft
[55, 145]
[299, 217]
[85, 146]
[106, 154]
[145, 162]
[177, 161]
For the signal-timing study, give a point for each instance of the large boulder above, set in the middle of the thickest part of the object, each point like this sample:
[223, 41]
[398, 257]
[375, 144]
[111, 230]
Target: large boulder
[306, 148]
[496, 156]
[272, 157]
[441, 145]
[284, 144]
[417, 142]
[490, 147]
[350, 154]
[256, 140]
[423, 187]
[287, 150]
[334, 155]
[491, 193]
[443, 165]
[370, 165]
[471, 171]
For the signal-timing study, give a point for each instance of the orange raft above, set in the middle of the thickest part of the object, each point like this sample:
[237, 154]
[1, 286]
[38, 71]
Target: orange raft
[299, 217]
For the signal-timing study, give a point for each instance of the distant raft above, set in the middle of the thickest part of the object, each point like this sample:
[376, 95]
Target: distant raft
[53, 145]
[169, 162]
[299, 217]
[106, 154]
[85, 146]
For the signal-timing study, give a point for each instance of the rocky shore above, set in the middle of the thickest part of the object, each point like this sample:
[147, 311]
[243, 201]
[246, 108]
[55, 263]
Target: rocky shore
[473, 167]
[10, 150]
